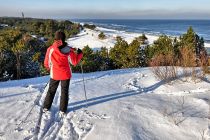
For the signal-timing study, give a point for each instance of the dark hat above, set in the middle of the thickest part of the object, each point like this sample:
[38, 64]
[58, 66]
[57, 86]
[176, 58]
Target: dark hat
[59, 35]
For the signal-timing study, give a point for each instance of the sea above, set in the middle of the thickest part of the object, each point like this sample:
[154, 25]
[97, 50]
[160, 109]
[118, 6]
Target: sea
[154, 27]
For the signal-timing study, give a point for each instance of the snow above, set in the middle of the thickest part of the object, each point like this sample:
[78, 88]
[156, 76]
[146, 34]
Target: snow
[90, 38]
[207, 45]
[122, 104]
[4, 25]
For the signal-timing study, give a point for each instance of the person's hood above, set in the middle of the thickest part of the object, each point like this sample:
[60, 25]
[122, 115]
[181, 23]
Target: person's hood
[65, 50]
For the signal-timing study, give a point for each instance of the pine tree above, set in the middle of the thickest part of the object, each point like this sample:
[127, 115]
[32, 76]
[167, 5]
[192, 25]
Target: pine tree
[90, 62]
[189, 39]
[133, 54]
[195, 43]
[164, 45]
[118, 53]
[18, 49]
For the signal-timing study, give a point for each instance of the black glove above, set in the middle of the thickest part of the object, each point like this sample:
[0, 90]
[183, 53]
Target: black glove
[79, 51]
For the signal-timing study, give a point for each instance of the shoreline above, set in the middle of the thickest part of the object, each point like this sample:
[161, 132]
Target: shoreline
[206, 43]
[170, 27]
[90, 37]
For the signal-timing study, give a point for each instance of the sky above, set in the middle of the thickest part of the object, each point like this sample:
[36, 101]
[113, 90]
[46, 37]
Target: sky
[107, 9]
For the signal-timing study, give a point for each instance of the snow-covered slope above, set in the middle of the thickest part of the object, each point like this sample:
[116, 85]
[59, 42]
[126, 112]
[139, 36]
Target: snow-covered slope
[125, 104]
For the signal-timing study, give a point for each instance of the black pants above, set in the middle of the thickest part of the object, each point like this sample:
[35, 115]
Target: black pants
[64, 94]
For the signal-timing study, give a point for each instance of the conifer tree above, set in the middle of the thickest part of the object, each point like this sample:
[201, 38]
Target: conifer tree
[18, 49]
[193, 41]
[118, 53]
[89, 60]
[164, 45]
[133, 54]
[105, 63]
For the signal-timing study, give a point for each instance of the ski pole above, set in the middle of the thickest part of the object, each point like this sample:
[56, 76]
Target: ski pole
[83, 81]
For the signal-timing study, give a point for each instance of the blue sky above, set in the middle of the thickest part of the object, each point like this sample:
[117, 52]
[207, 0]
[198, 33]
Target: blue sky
[108, 9]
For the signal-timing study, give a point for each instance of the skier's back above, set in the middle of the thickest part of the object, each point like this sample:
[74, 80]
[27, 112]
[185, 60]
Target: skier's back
[57, 61]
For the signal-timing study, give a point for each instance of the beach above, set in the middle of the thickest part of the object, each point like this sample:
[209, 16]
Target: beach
[90, 37]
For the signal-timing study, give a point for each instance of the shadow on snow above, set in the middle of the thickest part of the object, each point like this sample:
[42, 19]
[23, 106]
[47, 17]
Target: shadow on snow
[105, 98]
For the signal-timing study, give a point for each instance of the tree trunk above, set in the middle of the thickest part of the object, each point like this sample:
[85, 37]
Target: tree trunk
[1, 61]
[18, 66]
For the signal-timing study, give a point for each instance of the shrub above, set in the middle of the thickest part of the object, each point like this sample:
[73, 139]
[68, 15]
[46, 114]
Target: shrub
[188, 61]
[142, 39]
[92, 27]
[189, 64]
[163, 67]
[204, 63]
[101, 36]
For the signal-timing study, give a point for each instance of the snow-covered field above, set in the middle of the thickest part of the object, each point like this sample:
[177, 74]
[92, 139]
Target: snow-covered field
[90, 38]
[127, 104]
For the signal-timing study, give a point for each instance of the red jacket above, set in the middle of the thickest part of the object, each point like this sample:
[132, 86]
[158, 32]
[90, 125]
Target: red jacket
[59, 63]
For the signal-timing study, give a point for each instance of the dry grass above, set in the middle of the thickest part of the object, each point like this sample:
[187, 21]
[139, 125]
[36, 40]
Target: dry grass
[187, 60]
[192, 66]
[163, 66]
[204, 63]
[195, 68]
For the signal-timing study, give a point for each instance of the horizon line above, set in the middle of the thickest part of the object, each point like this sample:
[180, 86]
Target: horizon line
[57, 18]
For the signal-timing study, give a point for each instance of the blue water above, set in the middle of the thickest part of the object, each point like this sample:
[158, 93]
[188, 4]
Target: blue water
[155, 27]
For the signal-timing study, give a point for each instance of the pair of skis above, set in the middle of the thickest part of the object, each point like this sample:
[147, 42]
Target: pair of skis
[37, 129]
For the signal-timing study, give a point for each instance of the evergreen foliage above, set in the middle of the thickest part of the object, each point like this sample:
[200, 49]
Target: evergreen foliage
[92, 27]
[118, 53]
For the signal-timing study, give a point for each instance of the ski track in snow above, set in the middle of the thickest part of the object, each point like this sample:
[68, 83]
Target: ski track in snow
[50, 126]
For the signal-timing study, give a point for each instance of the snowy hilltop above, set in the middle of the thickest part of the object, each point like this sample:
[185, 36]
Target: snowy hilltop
[122, 104]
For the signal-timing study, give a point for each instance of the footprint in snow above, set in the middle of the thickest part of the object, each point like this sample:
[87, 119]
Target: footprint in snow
[76, 126]
[96, 116]
[68, 130]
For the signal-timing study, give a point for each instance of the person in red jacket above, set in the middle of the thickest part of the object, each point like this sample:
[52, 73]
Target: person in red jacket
[58, 58]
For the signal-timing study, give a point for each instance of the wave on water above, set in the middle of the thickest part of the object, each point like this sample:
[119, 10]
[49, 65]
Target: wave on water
[118, 25]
